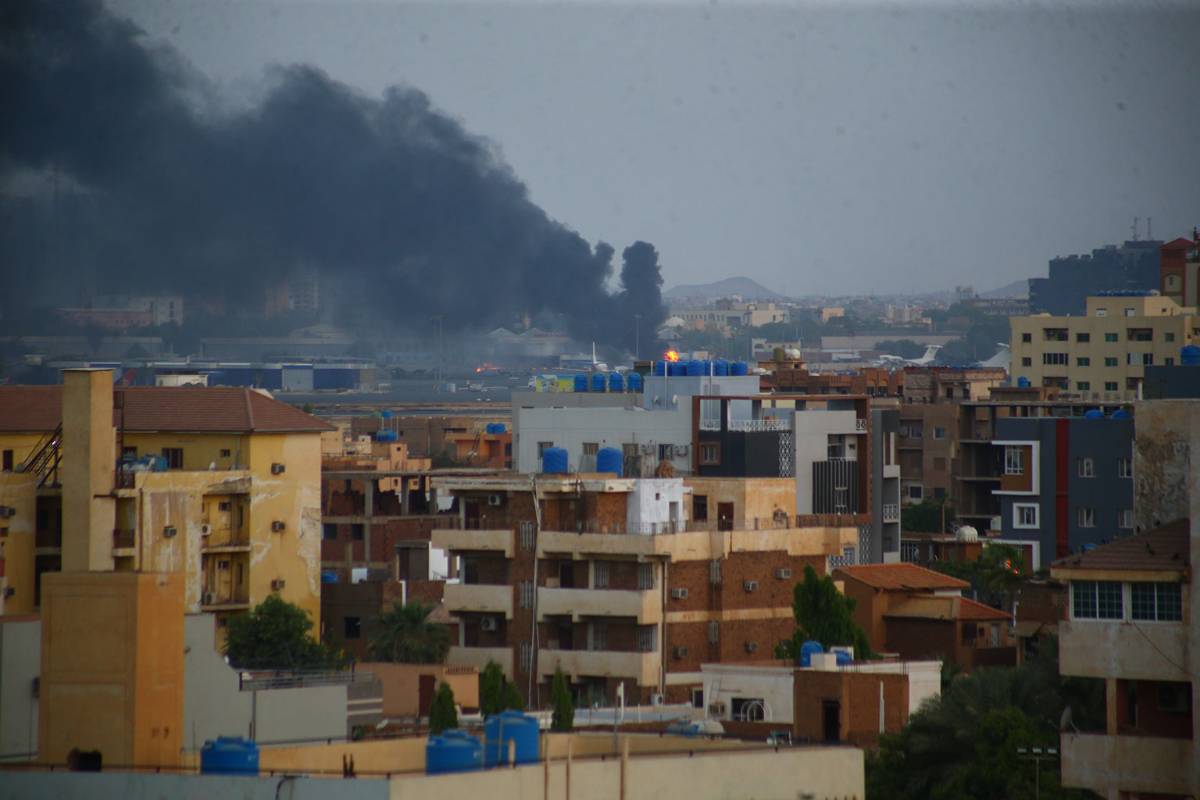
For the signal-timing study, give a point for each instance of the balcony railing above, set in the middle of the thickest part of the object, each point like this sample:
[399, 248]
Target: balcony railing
[765, 424]
[643, 605]
[479, 597]
[218, 599]
[637, 666]
[891, 512]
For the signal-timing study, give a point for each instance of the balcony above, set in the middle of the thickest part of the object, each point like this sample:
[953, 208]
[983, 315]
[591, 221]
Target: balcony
[645, 606]
[479, 597]
[224, 540]
[891, 512]
[640, 667]
[1116, 649]
[225, 601]
[1147, 764]
[481, 540]
[480, 656]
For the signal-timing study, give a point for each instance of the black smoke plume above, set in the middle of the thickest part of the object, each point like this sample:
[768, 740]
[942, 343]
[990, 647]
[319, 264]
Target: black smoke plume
[385, 197]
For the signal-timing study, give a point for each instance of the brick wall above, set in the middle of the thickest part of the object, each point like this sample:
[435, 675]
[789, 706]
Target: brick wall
[918, 639]
[857, 695]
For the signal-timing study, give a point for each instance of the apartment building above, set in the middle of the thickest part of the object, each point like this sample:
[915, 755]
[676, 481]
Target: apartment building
[1072, 279]
[1102, 355]
[616, 581]
[1132, 623]
[1179, 270]
[219, 485]
[1067, 483]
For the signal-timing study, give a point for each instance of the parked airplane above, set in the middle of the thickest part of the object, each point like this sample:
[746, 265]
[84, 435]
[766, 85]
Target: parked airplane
[923, 361]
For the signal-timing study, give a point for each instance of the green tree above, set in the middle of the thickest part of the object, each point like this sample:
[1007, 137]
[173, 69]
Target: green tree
[276, 634]
[442, 714]
[927, 516]
[825, 615]
[996, 576]
[564, 706]
[404, 634]
[512, 697]
[497, 693]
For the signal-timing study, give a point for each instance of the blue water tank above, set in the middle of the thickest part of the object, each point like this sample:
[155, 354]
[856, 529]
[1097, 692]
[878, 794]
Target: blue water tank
[610, 459]
[598, 382]
[739, 368]
[385, 414]
[453, 751]
[616, 383]
[634, 381]
[1094, 413]
[581, 383]
[676, 369]
[385, 436]
[807, 650]
[720, 367]
[554, 461]
[843, 658]
[1189, 356]
[1023, 383]
[661, 369]
[496, 427]
[695, 368]
[1121, 413]
[329, 576]
[229, 755]
[500, 729]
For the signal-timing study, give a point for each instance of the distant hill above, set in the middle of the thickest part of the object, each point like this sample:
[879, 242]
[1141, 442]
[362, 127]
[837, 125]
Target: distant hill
[748, 289]
[1015, 289]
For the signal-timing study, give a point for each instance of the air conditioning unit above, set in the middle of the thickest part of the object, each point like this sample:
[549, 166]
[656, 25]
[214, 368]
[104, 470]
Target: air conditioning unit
[680, 652]
[750, 586]
[783, 573]
[495, 499]
[751, 647]
[489, 624]
[205, 530]
[278, 584]
[717, 708]
[679, 594]
[278, 526]
[206, 599]
[277, 468]
[7, 511]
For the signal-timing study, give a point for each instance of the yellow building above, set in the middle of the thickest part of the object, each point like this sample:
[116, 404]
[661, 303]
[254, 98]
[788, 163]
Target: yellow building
[221, 485]
[1102, 355]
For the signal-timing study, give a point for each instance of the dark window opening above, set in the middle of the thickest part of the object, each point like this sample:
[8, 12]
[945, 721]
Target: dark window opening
[353, 627]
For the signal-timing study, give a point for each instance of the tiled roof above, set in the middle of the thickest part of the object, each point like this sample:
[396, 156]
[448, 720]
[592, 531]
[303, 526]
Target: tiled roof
[971, 610]
[946, 608]
[900, 577]
[161, 408]
[1164, 549]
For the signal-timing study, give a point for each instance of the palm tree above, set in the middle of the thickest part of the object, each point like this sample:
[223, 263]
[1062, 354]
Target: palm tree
[404, 634]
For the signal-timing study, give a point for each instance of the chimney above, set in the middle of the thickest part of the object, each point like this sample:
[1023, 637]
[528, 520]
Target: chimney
[89, 445]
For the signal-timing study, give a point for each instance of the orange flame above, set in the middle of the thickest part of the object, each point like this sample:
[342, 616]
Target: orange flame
[671, 355]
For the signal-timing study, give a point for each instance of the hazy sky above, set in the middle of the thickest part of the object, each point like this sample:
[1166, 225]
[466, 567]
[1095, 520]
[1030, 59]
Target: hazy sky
[817, 149]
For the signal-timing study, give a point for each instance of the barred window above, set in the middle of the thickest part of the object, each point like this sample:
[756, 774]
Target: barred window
[526, 594]
[526, 536]
[600, 574]
[645, 576]
[648, 638]
[714, 631]
[1161, 602]
[526, 657]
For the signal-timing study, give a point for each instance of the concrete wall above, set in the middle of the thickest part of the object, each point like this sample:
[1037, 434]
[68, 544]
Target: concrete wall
[772, 684]
[605, 426]
[812, 428]
[215, 706]
[401, 685]
[18, 491]
[149, 786]
[648, 507]
[20, 665]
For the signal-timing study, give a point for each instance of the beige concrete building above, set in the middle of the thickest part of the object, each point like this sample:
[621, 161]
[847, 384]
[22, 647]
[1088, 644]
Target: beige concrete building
[1102, 355]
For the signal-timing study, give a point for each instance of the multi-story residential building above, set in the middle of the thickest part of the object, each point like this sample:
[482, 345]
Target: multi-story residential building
[618, 580]
[1179, 270]
[730, 314]
[1066, 483]
[1134, 623]
[220, 485]
[1102, 356]
[1072, 279]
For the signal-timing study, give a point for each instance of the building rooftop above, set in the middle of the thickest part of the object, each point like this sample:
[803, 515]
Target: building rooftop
[194, 409]
[900, 577]
[947, 608]
[1165, 549]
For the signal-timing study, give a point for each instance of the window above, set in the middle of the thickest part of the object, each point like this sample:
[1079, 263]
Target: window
[647, 641]
[1111, 337]
[1014, 461]
[599, 574]
[543, 447]
[1110, 386]
[599, 636]
[526, 535]
[1170, 337]
[1083, 337]
[590, 448]
[1124, 467]
[1147, 359]
[939, 433]
[1055, 334]
[1130, 312]
[1083, 361]
[329, 531]
[352, 627]
[697, 698]
[526, 657]
[1083, 386]
[645, 576]
[1085, 517]
[226, 452]
[174, 457]
[1096, 600]
[700, 508]
[357, 530]
[224, 505]
[748, 709]
[710, 453]
[1085, 467]
[665, 452]
[714, 631]
[968, 634]
[525, 594]
[1025, 515]
[1056, 359]
[1110, 361]
[7, 461]
[1026, 361]
[1026, 337]
[916, 491]
[1169, 361]
[1156, 602]
[915, 431]
[1174, 698]
[1125, 519]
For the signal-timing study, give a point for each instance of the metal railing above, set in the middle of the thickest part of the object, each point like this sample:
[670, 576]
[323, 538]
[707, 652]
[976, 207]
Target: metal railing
[761, 425]
[251, 680]
[891, 512]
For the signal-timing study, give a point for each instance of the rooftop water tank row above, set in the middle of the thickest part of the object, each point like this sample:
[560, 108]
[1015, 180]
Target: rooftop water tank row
[608, 381]
[500, 729]
[385, 436]
[229, 755]
[1189, 356]
[698, 368]
[610, 459]
[496, 427]
[554, 461]
[453, 751]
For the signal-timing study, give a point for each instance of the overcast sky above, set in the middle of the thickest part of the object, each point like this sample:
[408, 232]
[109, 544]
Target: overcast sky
[891, 147]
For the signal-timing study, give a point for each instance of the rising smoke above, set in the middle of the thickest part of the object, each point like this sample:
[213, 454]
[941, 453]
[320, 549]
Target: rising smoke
[387, 197]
